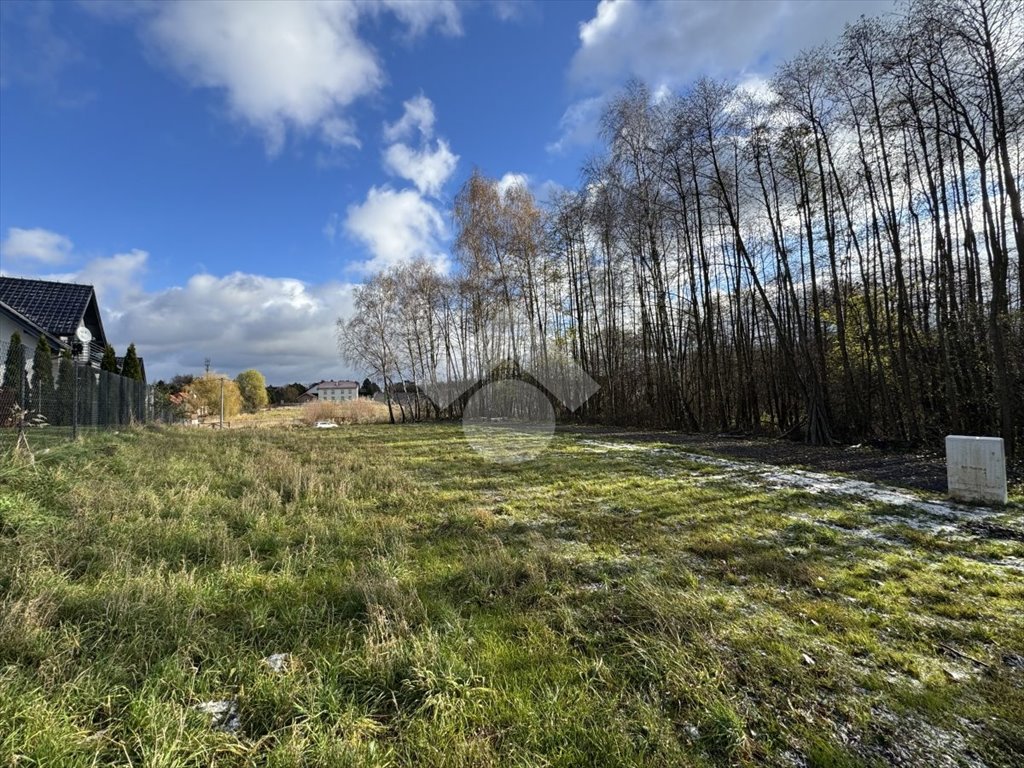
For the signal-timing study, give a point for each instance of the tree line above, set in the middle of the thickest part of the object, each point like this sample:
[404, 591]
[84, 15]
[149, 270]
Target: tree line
[201, 396]
[835, 254]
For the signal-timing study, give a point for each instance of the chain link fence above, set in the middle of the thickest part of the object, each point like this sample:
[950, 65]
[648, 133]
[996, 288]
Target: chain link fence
[52, 401]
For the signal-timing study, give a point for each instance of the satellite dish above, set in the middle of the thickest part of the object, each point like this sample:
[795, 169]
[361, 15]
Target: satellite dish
[83, 334]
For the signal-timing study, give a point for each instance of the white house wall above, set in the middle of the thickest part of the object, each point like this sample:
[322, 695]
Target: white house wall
[28, 342]
[8, 326]
[334, 395]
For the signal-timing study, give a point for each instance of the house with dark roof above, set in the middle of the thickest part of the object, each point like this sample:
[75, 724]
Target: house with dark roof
[12, 321]
[51, 309]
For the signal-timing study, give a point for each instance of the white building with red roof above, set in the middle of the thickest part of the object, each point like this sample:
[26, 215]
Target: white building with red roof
[334, 391]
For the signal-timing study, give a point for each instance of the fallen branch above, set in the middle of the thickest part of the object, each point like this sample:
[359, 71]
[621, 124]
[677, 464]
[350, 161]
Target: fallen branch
[963, 655]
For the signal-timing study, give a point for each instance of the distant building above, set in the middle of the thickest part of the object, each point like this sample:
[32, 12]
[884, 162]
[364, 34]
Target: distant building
[331, 391]
[55, 310]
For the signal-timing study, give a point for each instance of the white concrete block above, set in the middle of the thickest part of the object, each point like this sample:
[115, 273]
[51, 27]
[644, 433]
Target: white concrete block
[976, 469]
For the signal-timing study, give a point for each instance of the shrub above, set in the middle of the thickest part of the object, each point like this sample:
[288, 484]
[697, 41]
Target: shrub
[65, 389]
[42, 379]
[15, 377]
[109, 362]
[131, 368]
[315, 411]
[253, 388]
[205, 393]
[347, 412]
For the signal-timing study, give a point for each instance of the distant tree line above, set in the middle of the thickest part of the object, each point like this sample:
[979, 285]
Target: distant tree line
[836, 256]
[201, 395]
[286, 395]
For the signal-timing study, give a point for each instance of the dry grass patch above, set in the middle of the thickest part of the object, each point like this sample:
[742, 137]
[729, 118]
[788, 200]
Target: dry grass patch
[277, 416]
[359, 411]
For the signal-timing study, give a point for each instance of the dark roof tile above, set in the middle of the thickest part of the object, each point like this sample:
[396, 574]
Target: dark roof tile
[57, 307]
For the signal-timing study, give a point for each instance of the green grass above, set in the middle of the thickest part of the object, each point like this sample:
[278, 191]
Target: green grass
[586, 608]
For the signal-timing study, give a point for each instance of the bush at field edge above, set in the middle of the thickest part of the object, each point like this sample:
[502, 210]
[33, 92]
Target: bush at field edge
[360, 411]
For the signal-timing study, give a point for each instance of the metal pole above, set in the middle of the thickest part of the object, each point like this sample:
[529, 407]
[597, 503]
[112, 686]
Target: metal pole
[222, 403]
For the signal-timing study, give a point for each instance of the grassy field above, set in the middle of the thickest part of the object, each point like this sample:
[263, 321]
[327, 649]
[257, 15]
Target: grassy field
[593, 607]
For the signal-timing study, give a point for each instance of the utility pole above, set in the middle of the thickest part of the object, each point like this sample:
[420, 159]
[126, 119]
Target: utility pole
[222, 402]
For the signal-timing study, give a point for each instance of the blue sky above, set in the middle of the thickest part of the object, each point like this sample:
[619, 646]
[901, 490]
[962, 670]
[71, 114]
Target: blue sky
[225, 173]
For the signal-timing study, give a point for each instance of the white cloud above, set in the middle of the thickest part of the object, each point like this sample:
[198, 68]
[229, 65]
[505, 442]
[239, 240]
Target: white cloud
[510, 180]
[421, 15]
[427, 168]
[606, 18]
[280, 65]
[397, 227]
[417, 115]
[339, 132]
[283, 67]
[753, 89]
[667, 44]
[661, 93]
[116, 278]
[35, 245]
[670, 43]
[579, 124]
[757, 86]
[548, 190]
[280, 326]
[542, 191]
[513, 10]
